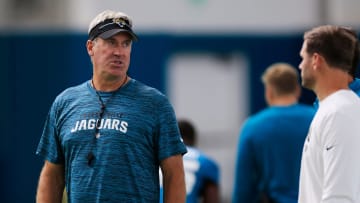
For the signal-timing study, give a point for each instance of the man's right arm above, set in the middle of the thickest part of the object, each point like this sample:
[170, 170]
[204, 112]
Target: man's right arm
[51, 183]
[246, 179]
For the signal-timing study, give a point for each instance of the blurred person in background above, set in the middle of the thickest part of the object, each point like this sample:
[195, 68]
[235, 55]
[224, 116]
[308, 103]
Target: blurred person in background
[330, 166]
[270, 143]
[202, 173]
[106, 138]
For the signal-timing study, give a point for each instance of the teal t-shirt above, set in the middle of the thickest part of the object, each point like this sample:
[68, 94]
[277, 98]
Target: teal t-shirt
[138, 129]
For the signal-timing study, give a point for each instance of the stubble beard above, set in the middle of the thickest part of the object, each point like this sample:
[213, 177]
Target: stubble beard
[308, 83]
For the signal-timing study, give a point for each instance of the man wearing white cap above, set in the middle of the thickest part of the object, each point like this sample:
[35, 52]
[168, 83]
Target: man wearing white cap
[106, 138]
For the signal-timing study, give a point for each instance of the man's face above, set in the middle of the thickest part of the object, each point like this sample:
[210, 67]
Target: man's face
[306, 68]
[110, 57]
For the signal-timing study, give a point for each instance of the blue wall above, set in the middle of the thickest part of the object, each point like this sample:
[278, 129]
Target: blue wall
[36, 67]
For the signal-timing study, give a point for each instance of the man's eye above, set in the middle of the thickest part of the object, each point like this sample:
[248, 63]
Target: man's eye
[110, 41]
[126, 44]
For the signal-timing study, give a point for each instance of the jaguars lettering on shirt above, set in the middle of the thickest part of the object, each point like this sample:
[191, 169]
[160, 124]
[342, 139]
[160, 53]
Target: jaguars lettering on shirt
[105, 123]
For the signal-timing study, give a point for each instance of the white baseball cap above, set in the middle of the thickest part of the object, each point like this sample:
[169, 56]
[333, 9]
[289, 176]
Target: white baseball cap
[109, 23]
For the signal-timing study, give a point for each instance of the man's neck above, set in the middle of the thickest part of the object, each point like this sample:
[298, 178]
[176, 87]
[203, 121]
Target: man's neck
[109, 86]
[284, 101]
[335, 80]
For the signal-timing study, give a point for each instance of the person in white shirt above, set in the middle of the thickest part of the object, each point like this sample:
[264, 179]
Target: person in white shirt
[330, 166]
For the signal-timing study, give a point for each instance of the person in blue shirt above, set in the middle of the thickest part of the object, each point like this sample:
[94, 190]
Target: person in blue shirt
[354, 81]
[105, 139]
[271, 141]
[202, 173]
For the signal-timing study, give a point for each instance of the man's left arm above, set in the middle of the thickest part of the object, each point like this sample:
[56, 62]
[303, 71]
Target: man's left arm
[173, 179]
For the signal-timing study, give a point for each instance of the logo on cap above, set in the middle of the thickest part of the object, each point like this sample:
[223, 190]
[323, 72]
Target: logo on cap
[119, 20]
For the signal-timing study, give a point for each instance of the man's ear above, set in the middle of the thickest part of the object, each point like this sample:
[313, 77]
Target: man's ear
[298, 91]
[268, 94]
[89, 47]
[317, 60]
